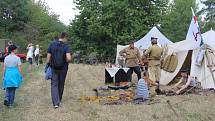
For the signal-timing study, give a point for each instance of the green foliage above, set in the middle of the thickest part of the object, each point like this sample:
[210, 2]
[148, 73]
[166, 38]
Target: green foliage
[209, 11]
[102, 24]
[13, 14]
[24, 21]
[176, 22]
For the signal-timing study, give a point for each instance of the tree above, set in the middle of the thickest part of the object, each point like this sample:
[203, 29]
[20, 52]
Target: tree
[42, 20]
[176, 22]
[43, 24]
[13, 15]
[209, 11]
[25, 20]
[102, 24]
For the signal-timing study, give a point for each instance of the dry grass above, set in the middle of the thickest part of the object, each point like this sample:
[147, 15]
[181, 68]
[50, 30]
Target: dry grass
[33, 102]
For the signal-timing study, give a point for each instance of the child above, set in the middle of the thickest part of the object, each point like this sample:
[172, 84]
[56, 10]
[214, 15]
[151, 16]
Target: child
[144, 84]
[142, 90]
[12, 77]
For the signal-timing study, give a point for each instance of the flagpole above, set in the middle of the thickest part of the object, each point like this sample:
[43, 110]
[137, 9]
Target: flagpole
[201, 43]
[192, 11]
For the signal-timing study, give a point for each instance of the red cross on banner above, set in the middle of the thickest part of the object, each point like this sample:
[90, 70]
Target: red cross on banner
[194, 34]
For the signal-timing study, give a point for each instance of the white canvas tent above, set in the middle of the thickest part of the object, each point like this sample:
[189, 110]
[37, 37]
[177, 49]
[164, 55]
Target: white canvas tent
[145, 42]
[203, 74]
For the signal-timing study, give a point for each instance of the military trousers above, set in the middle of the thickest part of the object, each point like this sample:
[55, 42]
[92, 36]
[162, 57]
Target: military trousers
[154, 72]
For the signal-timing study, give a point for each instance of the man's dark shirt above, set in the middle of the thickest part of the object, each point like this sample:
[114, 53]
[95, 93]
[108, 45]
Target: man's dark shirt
[66, 50]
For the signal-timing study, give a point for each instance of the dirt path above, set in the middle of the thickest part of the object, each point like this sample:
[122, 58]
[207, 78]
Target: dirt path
[33, 102]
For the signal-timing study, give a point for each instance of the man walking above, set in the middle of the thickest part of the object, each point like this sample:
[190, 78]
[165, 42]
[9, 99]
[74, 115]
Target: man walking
[155, 57]
[132, 60]
[58, 58]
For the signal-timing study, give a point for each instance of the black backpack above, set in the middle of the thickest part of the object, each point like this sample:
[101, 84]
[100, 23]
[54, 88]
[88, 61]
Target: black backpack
[58, 56]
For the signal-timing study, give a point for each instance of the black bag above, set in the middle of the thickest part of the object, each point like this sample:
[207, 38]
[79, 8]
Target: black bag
[58, 56]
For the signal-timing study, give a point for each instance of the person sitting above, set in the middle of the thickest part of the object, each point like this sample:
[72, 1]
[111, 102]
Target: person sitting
[185, 83]
[142, 91]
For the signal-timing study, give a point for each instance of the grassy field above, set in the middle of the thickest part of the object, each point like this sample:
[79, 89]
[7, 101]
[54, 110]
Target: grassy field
[33, 102]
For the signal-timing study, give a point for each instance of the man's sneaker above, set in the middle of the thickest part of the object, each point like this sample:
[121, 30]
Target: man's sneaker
[6, 103]
[56, 106]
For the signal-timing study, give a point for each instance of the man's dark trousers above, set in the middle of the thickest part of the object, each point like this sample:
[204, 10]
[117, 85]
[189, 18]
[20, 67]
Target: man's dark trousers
[57, 85]
[137, 70]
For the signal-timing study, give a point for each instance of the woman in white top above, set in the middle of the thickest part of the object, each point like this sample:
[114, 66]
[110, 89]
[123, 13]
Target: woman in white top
[36, 54]
[30, 53]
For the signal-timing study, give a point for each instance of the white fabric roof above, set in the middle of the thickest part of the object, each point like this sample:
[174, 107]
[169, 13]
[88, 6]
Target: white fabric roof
[209, 38]
[145, 42]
